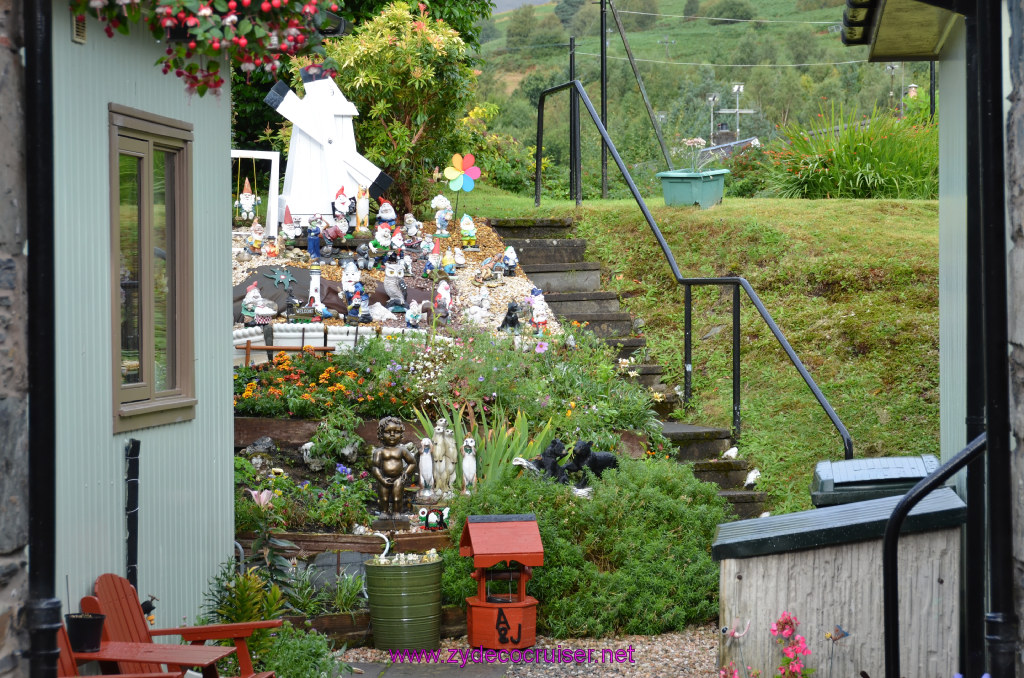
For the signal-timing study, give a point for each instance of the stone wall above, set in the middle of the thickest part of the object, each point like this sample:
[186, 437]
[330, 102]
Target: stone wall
[13, 358]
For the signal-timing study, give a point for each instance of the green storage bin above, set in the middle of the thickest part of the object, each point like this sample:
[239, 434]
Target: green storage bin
[843, 482]
[686, 188]
[405, 605]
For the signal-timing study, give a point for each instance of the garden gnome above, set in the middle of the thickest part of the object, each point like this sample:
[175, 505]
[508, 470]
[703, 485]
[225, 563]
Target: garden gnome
[468, 464]
[411, 226]
[511, 260]
[426, 491]
[391, 464]
[316, 226]
[468, 229]
[426, 245]
[386, 214]
[343, 207]
[349, 277]
[289, 228]
[362, 210]
[442, 218]
[413, 315]
[256, 236]
[441, 204]
[448, 262]
[247, 201]
[380, 246]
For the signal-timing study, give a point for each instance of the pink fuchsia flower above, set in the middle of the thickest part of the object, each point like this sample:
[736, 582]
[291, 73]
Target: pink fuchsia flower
[263, 498]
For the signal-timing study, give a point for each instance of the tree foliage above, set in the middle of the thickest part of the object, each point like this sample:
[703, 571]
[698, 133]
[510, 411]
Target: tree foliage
[643, 20]
[464, 17]
[730, 9]
[566, 11]
[411, 81]
[520, 26]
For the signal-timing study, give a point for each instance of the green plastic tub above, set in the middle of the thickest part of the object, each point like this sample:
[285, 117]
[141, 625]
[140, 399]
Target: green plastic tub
[685, 188]
[405, 605]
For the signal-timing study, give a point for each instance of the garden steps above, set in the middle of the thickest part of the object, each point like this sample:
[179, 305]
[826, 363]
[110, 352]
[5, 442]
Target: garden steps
[745, 503]
[580, 276]
[604, 324]
[564, 303]
[728, 474]
[548, 250]
[697, 443]
[512, 229]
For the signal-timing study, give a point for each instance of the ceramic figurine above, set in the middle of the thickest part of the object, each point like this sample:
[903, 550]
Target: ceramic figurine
[413, 315]
[425, 495]
[289, 228]
[386, 214]
[255, 240]
[426, 246]
[364, 309]
[442, 483]
[344, 210]
[380, 246]
[316, 226]
[355, 300]
[442, 218]
[362, 210]
[363, 260]
[444, 294]
[395, 288]
[460, 258]
[397, 243]
[478, 311]
[511, 260]
[448, 262]
[511, 320]
[391, 464]
[270, 249]
[314, 285]
[350, 275]
[406, 265]
[468, 229]
[322, 153]
[247, 202]
[252, 295]
[468, 465]
[439, 204]
[411, 227]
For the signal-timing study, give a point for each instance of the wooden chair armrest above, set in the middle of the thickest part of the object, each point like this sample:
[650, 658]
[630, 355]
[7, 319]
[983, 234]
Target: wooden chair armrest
[217, 631]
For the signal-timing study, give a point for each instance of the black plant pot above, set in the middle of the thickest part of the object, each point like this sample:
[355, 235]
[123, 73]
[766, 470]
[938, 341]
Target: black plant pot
[84, 631]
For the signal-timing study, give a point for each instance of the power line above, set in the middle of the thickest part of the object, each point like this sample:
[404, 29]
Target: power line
[689, 63]
[718, 18]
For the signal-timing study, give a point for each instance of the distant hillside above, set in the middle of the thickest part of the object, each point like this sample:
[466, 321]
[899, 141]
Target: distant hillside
[509, 5]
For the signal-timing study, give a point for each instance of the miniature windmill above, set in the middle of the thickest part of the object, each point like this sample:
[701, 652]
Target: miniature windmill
[322, 156]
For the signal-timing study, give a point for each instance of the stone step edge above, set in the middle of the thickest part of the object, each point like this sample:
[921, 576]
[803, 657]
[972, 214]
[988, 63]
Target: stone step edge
[526, 222]
[531, 243]
[597, 317]
[569, 297]
[744, 496]
[677, 431]
[720, 465]
[560, 268]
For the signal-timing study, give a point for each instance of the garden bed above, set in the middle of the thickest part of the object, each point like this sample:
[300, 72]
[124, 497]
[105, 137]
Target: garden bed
[354, 629]
[318, 542]
[293, 433]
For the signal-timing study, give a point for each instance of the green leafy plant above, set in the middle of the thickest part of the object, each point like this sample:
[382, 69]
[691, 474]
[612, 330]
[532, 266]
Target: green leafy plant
[348, 594]
[305, 597]
[296, 653]
[233, 597]
[335, 433]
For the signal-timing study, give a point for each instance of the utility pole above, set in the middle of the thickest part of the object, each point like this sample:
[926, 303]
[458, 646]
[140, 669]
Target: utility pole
[737, 89]
[892, 83]
[666, 42]
[712, 99]
[604, 96]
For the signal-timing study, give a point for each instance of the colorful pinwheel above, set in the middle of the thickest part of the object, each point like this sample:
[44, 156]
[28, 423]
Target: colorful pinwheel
[462, 174]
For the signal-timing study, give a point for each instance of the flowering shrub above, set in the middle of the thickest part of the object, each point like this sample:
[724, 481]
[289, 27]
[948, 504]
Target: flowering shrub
[794, 646]
[691, 149]
[200, 36]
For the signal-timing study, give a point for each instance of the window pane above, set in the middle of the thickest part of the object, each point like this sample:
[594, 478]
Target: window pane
[129, 210]
[163, 270]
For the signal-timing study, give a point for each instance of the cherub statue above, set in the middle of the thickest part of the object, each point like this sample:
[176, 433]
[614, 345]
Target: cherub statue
[391, 465]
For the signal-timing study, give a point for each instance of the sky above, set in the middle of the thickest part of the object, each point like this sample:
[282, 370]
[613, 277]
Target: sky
[506, 5]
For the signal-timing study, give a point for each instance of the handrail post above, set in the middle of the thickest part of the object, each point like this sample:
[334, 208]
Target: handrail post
[736, 361]
[688, 344]
[248, 350]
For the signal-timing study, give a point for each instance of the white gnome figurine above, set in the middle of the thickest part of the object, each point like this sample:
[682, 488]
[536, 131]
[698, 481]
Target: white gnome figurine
[468, 465]
[362, 210]
[426, 246]
[349, 277]
[511, 260]
[426, 492]
[411, 227]
[247, 202]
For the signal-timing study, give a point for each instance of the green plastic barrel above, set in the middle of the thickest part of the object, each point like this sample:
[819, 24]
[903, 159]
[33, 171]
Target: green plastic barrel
[405, 605]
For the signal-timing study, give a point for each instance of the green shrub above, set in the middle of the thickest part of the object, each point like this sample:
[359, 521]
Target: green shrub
[723, 10]
[842, 157]
[302, 654]
[633, 559]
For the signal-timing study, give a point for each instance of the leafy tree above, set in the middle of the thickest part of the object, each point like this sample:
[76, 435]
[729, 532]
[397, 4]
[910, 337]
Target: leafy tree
[520, 26]
[587, 21]
[411, 80]
[731, 9]
[487, 31]
[643, 21]
[692, 8]
[549, 32]
[566, 11]
[464, 17]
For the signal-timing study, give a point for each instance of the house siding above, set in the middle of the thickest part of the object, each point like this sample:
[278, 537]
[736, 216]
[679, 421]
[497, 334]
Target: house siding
[185, 491]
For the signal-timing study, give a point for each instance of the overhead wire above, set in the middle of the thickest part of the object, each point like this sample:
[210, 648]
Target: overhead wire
[694, 63]
[717, 18]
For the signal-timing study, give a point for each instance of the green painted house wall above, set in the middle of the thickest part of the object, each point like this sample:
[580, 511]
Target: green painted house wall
[186, 508]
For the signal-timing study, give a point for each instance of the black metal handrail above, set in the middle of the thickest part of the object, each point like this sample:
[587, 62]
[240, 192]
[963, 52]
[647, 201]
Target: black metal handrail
[687, 282]
[890, 563]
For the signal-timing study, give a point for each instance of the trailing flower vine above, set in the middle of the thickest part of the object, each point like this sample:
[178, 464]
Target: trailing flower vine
[202, 35]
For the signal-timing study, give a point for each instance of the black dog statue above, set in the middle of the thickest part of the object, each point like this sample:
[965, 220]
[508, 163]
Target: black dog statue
[583, 457]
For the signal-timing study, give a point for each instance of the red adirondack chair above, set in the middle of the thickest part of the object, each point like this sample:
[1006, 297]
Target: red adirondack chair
[68, 668]
[126, 622]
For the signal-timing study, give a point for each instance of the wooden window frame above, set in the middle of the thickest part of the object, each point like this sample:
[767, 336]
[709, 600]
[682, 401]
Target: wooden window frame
[139, 406]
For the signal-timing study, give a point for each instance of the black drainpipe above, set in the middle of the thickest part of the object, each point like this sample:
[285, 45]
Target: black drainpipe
[131, 511]
[1001, 620]
[972, 655]
[44, 608]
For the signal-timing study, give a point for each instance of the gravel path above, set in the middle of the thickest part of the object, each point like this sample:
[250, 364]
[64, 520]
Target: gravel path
[692, 653]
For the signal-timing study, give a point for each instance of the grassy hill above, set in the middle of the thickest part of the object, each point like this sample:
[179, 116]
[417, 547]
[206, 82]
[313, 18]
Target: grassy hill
[852, 284]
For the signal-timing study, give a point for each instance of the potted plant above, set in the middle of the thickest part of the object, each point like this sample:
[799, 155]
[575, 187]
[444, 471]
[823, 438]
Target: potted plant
[693, 185]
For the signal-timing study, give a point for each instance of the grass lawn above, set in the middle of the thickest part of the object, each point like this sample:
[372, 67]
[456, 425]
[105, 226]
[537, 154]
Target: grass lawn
[852, 284]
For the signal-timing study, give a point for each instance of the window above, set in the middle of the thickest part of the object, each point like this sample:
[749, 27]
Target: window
[151, 269]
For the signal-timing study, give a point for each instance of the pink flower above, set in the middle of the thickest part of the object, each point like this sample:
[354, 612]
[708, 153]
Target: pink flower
[541, 346]
[775, 629]
[263, 498]
[787, 633]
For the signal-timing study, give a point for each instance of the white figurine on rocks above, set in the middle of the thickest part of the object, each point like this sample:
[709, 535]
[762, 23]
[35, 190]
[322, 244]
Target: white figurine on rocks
[411, 227]
[511, 260]
[468, 465]
[442, 480]
[426, 491]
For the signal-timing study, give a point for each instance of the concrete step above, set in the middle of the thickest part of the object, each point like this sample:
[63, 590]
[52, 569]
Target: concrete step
[697, 442]
[646, 375]
[566, 303]
[548, 250]
[746, 503]
[728, 474]
[626, 346]
[531, 228]
[578, 277]
[604, 324]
